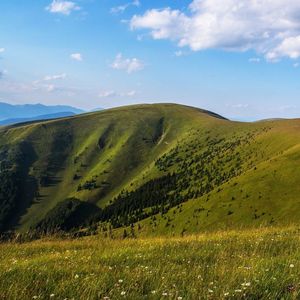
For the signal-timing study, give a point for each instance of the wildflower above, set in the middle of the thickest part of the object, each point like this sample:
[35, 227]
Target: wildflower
[153, 292]
[238, 291]
[120, 280]
[246, 284]
[123, 293]
[76, 276]
[292, 265]
[226, 294]
[34, 297]
[210, 291]
[52, 295]
[179, 298]
[165, 294]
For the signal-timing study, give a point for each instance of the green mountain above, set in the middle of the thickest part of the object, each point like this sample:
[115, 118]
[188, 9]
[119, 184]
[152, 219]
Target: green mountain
[166, 167]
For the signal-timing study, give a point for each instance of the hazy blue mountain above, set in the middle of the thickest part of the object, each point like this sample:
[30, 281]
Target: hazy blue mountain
[37, 118]
[9, 111]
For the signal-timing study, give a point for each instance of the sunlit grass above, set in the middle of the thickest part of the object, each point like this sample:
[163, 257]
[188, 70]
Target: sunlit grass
[254, 264]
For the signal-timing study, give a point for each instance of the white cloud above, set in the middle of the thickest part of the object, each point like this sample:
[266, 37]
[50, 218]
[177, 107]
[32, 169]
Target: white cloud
[76, 56]
[62, 7]
[49, 87]
[46, 84]
[130, 65]
[269, 27]
[289, 47]
[254, 60]
[131, 93]
[121, 8]
[55, 77]
[239, 105]
[110, 94]
[180, 53]
[2, 73]
[2, 50]
[107, 94]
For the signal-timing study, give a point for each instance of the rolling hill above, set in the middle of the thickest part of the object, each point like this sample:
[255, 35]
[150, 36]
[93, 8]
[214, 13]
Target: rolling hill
[169, 169]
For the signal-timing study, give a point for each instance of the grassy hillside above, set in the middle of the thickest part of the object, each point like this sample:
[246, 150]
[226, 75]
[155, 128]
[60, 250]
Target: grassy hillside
[252, 264]
[168, 168]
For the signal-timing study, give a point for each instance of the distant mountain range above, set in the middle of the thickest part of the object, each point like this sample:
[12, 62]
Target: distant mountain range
[37, 118]
[28, 112]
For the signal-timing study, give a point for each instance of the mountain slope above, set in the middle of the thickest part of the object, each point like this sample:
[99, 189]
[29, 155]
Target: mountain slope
[169, 167]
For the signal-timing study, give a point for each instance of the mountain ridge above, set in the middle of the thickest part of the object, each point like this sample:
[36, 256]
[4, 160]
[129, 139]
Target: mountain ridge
[177, 163]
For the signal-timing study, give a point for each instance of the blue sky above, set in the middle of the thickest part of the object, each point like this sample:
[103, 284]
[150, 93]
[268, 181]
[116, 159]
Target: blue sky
[227, 57]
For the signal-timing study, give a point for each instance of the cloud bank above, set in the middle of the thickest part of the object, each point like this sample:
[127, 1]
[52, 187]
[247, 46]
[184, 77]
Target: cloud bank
[269, 27]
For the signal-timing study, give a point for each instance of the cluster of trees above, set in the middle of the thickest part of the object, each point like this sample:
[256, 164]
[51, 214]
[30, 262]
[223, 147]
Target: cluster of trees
[13, 173]
[129, 207]
[88, 185]
[62, 141]
[9, 182]
[67, 215]
[190, 172]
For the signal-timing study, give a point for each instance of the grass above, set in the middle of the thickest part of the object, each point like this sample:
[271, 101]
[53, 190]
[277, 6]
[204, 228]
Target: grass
[250, 264]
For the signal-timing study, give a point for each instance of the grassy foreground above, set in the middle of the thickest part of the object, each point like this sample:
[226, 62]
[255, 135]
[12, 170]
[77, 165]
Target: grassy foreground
[253, 264]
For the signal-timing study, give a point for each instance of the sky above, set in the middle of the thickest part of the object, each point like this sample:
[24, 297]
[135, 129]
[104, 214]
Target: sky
[238, 58]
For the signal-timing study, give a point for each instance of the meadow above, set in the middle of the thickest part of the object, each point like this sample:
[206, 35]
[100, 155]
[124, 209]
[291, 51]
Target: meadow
[260, 263]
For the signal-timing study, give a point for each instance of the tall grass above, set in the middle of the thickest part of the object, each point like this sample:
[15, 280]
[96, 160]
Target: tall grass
[252, 264]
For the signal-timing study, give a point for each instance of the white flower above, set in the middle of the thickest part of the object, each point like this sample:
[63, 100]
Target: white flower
[123, 293]
[52, 295]
[246, 284]
[179, 298]
[292, 265]
[120, 280]
[165, 294]
[210, 291]
[76, 276]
